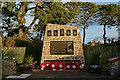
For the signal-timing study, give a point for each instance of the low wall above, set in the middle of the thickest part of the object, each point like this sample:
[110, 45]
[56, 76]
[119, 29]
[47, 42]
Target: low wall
[8, 67]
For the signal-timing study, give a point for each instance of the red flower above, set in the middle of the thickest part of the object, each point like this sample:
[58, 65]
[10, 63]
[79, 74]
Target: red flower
[68, 66]
[61, 65]
[53, 66]
[43, 66]
[81, 66]
[74, 66]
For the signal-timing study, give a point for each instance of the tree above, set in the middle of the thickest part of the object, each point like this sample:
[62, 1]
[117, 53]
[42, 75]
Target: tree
[16, 41]
[47, 12]
[14, 16]
[51, 12]
[108, 16]
[8, 42]
[74, 10]
[87, 11]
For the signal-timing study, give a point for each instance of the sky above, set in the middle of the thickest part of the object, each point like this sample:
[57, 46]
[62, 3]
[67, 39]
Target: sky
[96, 32]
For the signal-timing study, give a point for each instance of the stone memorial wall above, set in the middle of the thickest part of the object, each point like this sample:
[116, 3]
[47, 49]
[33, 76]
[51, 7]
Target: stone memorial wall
[62, 43]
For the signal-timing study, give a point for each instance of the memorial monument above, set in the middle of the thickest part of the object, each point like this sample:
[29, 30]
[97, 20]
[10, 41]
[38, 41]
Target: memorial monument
[62, 43]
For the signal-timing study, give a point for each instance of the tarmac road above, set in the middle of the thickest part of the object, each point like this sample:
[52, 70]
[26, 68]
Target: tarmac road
[60, 75]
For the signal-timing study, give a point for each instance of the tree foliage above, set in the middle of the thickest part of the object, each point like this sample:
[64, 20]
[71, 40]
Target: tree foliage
[16, 41]
[108, 16]
[52, 12]
[48, 12]
[74, 10]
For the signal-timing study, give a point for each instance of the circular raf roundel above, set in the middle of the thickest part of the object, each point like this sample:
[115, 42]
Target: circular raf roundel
[61, 65]
[74, 66]
[68, 66]
[43, 66]
[81, 66]
[53, 66]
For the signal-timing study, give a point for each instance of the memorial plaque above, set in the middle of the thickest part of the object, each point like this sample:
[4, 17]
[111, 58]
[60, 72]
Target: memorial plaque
[49, 33]
[68, 32]
[55, 32]
[61, 32]
[74, 32]
[61, 47]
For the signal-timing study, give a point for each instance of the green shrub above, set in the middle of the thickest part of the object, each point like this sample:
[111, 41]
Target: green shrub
[29, 59]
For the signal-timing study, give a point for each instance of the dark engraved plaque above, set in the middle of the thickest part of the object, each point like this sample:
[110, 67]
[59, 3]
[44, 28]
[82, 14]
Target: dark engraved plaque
[74, 32]
[68, 32]
[49, 33]
[61, 32]
[61, 48]
[55, 32]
